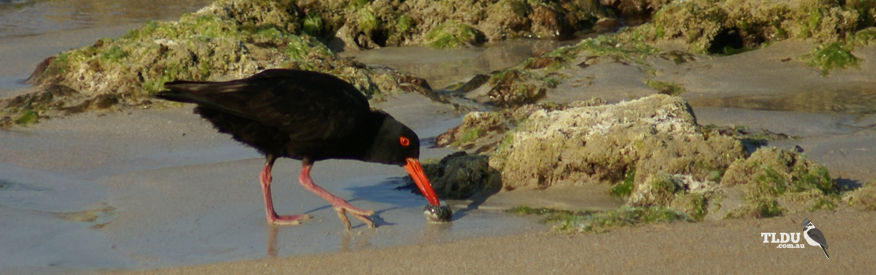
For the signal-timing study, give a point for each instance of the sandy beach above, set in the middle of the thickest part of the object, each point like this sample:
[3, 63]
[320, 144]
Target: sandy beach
[713, 247]
[158, 190]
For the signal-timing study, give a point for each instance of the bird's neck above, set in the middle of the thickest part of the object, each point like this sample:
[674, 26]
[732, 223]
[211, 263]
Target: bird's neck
[374, 132]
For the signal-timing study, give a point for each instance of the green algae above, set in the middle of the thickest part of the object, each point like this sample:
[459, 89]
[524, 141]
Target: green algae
[366, 20]
[624, 46]
[453, 35]
[667, 88]
[313, 24]
[774, 179]
[602, 221]
[28, 116]
[828, 57]
[625, 187]
[695, 205]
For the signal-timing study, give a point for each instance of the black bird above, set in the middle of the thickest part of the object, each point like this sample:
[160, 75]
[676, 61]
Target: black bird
[309, 116]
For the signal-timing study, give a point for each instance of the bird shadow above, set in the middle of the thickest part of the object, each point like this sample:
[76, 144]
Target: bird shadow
[475, 201]
[378, 221]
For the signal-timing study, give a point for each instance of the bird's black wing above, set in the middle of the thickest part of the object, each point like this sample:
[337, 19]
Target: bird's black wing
[306, 105]
[818, 237]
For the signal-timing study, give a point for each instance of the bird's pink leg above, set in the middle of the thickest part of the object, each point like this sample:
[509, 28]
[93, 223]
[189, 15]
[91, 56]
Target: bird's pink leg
[340, 205]
[270, 214]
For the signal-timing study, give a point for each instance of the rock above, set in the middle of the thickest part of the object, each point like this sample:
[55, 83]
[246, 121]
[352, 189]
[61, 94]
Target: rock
[713, 26]
[226, 40]
[547, 23]
[779, 170]
[399, 23]
[453, 35]
[776, 181]
[863, 198]
[483, 132]
[635, 12]
[461, 176]
[601, 143]
[475, 126]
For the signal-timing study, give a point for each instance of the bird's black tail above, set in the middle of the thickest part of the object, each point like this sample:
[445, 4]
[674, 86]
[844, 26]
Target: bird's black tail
[200, 92]
[825, 252]
[183, 91]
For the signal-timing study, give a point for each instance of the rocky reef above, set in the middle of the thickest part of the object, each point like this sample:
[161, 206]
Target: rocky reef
[649, 147]
[681, 31]
[653, 154]
[451, 23]
[232, 39]
[228, 39]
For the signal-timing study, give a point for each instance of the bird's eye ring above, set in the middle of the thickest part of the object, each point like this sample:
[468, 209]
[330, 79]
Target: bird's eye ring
[404, 141]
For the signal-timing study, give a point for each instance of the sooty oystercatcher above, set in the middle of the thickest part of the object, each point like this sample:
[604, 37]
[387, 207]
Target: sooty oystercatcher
[309, 116]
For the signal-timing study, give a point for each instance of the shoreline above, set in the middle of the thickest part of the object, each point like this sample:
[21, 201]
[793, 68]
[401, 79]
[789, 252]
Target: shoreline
[728, 245]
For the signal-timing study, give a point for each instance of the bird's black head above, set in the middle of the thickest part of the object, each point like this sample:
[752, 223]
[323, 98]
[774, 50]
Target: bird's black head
[394, 142]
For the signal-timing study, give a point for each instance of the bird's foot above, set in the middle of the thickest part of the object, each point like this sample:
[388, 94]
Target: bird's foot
[287, 219]
[344, 207]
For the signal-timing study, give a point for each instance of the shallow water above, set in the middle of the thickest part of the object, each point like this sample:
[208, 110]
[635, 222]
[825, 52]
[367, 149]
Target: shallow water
[446, 67]
[29, 18]
[829, 100]
[167, 190]
[31, 30]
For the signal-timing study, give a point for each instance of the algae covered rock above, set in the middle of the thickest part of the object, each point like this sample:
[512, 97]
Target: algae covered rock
[654, 155]
[779, 170]
[601, 143]
[718, 25]
[461, 176]
[226, 40]
[776, 181]
[529, 81]
[863, 198]
[475, 126]
[448, 23]
[484, 132]
[453, 35]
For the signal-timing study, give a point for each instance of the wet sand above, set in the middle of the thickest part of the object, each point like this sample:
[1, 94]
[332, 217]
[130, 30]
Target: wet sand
[729, 246]
[159, 188]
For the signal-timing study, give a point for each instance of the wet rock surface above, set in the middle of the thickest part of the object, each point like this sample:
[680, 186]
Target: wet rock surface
[654, 154]
[228, 39]
[461, 176]
[232, 39]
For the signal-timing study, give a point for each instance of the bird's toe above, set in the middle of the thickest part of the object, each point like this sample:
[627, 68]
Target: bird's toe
[288, 219]
[362, 215]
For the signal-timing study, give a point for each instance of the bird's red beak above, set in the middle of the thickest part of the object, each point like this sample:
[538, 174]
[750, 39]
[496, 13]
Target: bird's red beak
[422, 182]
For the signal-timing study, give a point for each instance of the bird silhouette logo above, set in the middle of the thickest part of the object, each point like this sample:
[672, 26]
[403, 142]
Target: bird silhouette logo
[814, 236]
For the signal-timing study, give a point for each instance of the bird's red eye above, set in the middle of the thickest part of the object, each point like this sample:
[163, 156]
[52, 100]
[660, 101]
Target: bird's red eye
[404, 141]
